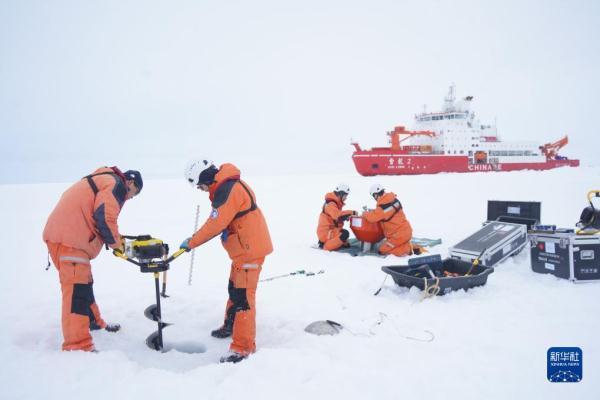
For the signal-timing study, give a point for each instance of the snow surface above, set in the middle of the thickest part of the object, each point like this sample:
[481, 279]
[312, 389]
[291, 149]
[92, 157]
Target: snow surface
[490, 342]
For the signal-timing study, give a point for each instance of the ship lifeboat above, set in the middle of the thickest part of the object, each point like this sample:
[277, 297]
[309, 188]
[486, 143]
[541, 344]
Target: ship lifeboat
[480, 157]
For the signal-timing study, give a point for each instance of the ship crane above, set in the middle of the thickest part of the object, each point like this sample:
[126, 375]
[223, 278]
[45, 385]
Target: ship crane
[400, 130]
[550, 150]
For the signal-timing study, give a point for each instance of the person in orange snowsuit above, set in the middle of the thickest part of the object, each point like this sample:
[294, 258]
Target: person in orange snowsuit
[245, 236]
[84, 219]
[330, 230]
[396, 228]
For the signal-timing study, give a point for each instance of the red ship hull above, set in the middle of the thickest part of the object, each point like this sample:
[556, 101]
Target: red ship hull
[369, 163]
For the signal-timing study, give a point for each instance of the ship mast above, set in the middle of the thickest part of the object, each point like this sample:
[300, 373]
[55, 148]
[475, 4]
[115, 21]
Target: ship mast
[449, 99]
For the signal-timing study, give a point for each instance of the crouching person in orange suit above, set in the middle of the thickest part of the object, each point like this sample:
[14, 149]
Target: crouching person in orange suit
[330, 230]
[84, 219]
[396, 228]
[245, 236]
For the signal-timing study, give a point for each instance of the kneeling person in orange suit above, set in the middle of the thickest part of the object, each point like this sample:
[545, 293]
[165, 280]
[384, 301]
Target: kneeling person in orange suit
[84, 219]
[330, 230]
[396, 228]
[245, 236]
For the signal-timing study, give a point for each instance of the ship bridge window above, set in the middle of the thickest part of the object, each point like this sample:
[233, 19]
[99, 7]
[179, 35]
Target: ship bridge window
[516, 153]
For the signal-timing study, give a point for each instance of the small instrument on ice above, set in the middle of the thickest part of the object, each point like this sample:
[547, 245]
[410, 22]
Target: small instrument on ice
[327, 327]
[151, 255]
[331, 328]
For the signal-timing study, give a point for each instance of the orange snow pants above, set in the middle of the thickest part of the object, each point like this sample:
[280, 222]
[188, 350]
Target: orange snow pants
[336, 238]
[240, 312]
[78, 304]
[397, 246]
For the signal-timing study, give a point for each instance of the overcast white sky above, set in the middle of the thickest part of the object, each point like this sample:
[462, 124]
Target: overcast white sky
[279, 86]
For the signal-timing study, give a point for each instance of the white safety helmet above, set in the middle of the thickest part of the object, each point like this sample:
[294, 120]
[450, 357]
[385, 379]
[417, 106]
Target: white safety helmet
[343, 188]
[194, 168]
[375, 188]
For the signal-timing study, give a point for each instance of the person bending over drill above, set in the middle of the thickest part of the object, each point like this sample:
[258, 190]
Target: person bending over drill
[84, 219]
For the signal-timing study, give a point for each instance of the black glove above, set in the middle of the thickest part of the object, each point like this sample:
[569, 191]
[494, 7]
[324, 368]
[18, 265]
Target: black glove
[113, 327]
[109, 327]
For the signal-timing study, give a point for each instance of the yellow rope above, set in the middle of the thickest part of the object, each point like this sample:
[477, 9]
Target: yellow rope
[431, 291]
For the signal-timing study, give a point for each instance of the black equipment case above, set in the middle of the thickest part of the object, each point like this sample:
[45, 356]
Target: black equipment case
[504, 234]
[493, 243]
[566, 255]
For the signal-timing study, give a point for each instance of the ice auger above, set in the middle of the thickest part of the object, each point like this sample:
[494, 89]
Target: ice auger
[151, 255]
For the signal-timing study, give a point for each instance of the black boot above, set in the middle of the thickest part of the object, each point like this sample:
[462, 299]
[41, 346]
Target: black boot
[222, 333]
[233, 357]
